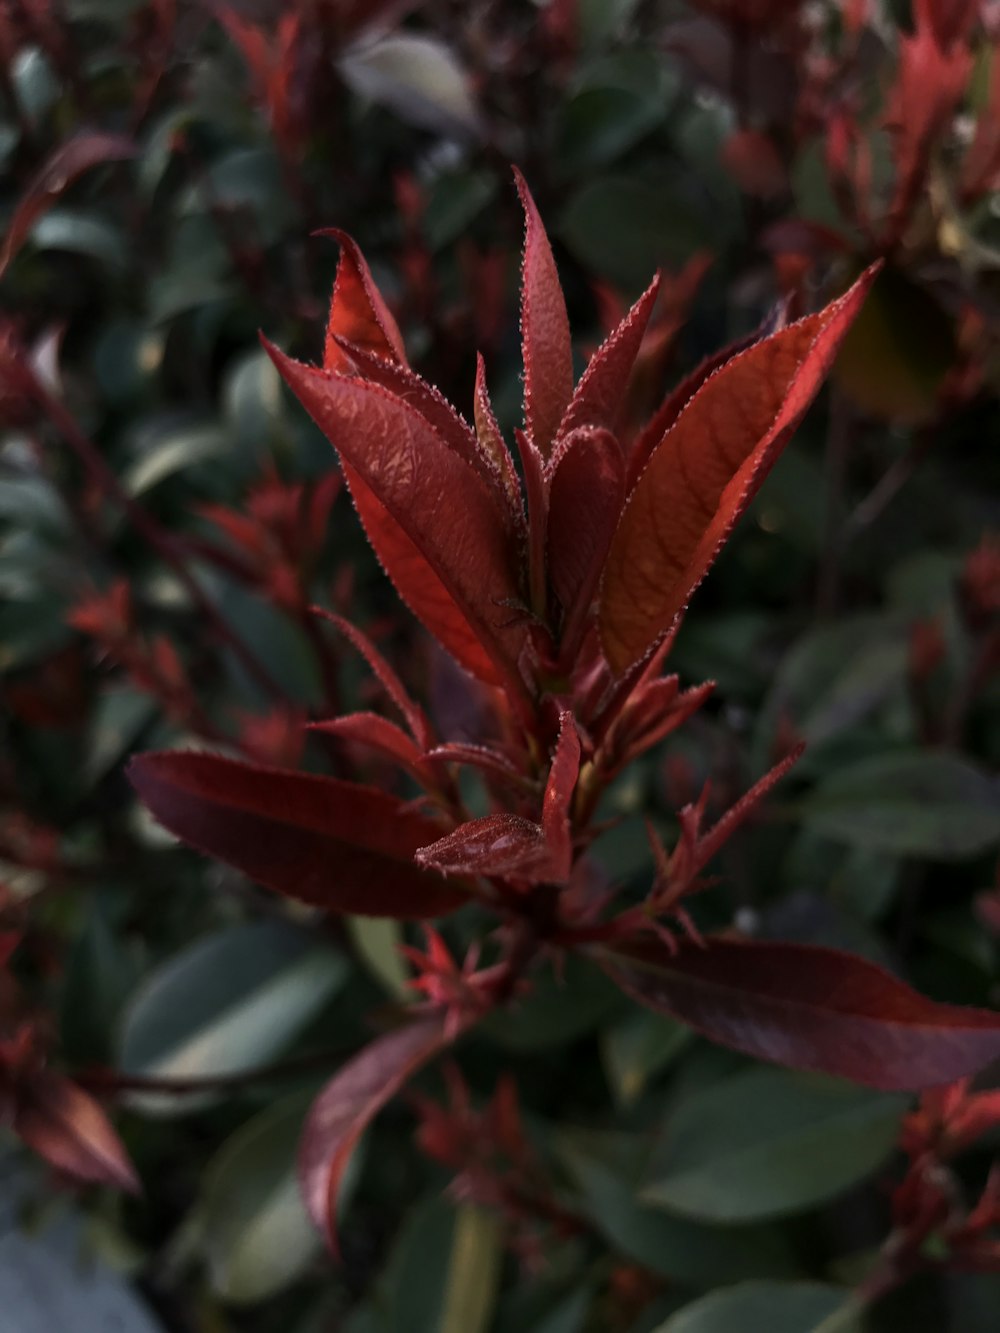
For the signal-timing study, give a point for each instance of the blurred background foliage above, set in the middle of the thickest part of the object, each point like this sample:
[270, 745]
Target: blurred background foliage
[165, 168]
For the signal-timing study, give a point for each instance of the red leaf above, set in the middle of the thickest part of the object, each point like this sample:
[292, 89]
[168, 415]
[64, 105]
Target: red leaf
[347, 1105]
[949, 20]
[443, 509]
[439, 414]
[511, 847]
[809, 1008]
[505, 846]
[65, 1126]
[586, 495]
[706, 470]
[494, 446]
[674, 404]
[335, 844]
[378, 734]
[547, 348]
[358, 313]
[600, 395]
[57, 173]
[556, 822]
[414, 715]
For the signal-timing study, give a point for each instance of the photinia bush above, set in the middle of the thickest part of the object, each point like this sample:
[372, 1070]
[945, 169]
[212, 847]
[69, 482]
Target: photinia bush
[559, 586]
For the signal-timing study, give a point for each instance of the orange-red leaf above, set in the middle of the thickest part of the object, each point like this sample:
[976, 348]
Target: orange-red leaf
[358, 314]
[705, 471]
[338, 845]
[545, 336]
[431, 504]
[600, 396]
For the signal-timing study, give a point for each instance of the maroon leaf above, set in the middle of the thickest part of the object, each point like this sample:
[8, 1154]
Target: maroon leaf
[506, 846]
[511, 847]
[442, 509]
[547, 348]
[358, 314]
[706, 470]
[586, 495]
[64, 1125]
[600, 394]
[335, 844]
[494, 447]
[57, 173]
[556, 822]
[808, 1008]
[413, 714]
[380, 735]
[348, 1104]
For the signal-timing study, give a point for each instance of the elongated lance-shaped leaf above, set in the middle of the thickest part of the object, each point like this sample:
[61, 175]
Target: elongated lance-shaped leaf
[378, 735]
[439, 504]
[338, 845]
[599, 397]
[545, 336]
[808, 1008]
[586, 494]
[348, 1104]
[70, 1130]
[706, 470]
[85, 150]
[439, 414]
[358, 314]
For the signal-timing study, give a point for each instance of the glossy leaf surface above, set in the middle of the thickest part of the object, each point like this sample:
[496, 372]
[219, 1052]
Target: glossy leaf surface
[335, 844]
[810, 1008]
[704, 473]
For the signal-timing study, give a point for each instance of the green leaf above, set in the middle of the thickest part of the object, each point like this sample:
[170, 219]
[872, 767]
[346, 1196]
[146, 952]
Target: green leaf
[257, 1236]
[637, 1048]
[912, 803]
[769, 1307]
[82, 234]
[455, 200]
[473, 1271]
[226, 1004]
[603, 1167]
[632, 211]
[767, 1143]
[417, 77]
[557, 1009]
[172, 452]
[118, 718]
[377, 940]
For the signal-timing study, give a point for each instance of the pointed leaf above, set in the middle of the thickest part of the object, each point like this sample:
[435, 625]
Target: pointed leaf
[548, 351]
[72, 159]
[706, 470]
[335, 844]
[586, 495]
[413, 714]
[65, 1126]
[372, 732]
[348, 1104]
[809, 1008]
[507, 846]
[358, 314]
[494, 447]
[436, 500]
[556, 822]
[600, 394]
